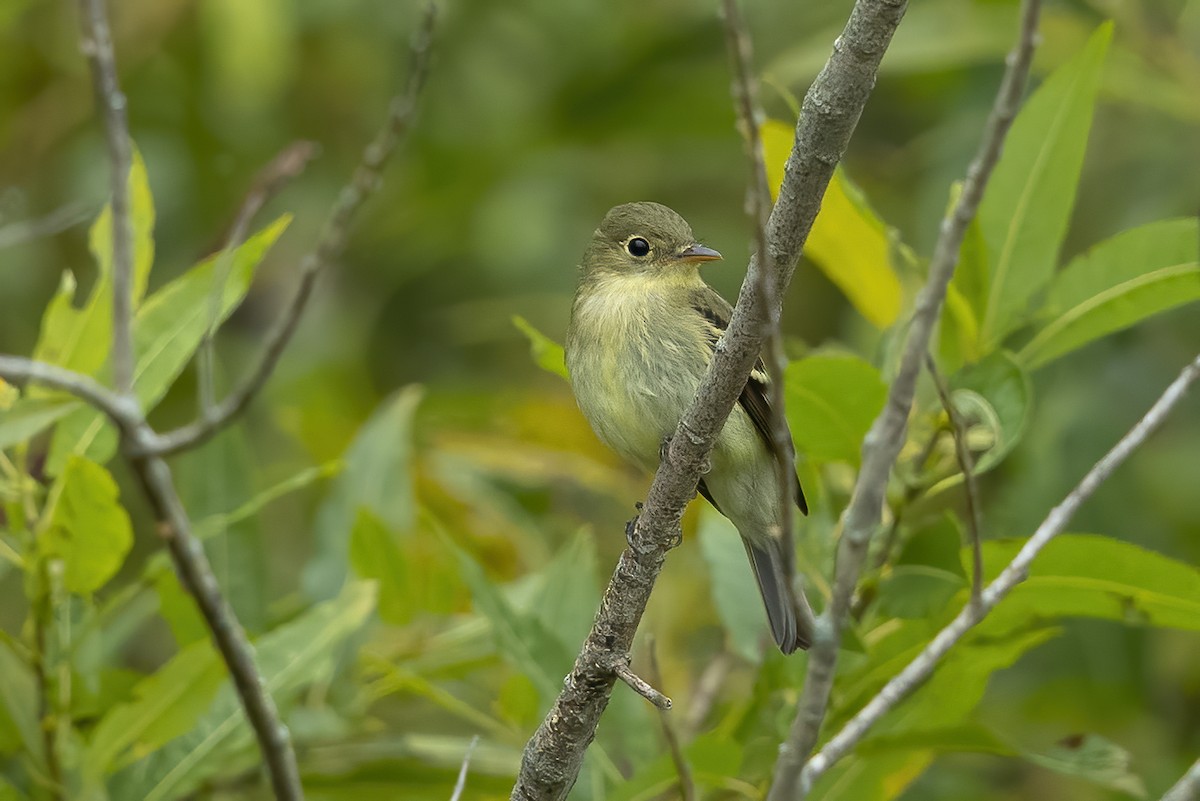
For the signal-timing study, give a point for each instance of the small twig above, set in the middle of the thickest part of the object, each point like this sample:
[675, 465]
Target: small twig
[61, 219]
[687, 786]
[1188, 786]
[96, 44]
[886, 435]
[460, 784]
[364, 182]
[639, 685]
[289, 163]
[708, 686]
[86, 388]
[923, 665]
[966, 464]
[758, 209]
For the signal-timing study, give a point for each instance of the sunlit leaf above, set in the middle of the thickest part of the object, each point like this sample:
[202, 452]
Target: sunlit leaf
[1027, 206]
[850, 244]
[1087, 575]
[295, 655]
[167, 330]
[733, 590]
[377, 477]
[1119, 282]
[141, 216]
[86, 527]
[547, 353]
[831, 402]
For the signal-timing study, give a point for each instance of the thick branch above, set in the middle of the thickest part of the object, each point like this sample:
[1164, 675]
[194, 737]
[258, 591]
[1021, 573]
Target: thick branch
[333, 239]
[886, 436]
[96, 43]
[917, 671]
[554, 755]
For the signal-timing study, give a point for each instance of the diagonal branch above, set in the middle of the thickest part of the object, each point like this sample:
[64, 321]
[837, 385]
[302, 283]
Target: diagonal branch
[554, 755]
[917, 671]
[1188, 786]
[333, 239]
[886, 436]
[96, 43]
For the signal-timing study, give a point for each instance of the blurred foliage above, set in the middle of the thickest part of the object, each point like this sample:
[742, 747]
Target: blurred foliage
[414, 522]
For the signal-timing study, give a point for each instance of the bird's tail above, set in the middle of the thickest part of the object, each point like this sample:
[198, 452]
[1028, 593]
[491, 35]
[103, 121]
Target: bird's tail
[788, 612]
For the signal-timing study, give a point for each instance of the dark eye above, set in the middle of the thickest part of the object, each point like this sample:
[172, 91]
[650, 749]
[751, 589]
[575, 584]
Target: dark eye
[637, 247]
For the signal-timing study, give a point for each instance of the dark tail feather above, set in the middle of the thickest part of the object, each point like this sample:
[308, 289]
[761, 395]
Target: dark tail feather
[790, 616]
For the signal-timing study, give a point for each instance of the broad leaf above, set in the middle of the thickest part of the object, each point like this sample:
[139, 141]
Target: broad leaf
[927, 574]
[733, 592]
[1027, 206]
[167, 330]
[547, 353]
[1119, 282]
[377, 477]
[86, 527]
[831, 403]
[1088, 575]
[850, 244]
[295, 655]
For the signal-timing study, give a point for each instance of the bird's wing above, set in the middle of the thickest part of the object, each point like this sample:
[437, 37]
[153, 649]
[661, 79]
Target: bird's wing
[755, 397]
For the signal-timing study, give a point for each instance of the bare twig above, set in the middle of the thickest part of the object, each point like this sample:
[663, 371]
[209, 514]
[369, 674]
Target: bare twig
[1188, 786]
[923, 665]
[96, 43]
[966, 464]
[708, 686]
[86, 388]
[886, 435]
[687, 786]
[758, 208]
[554, 755]
[640, 686]
[289, 163]
[61, 219]
[366, 178]
[460, 783]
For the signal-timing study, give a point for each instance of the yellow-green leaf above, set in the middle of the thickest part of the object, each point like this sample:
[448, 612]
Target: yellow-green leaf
[850, 244]
[86, 528]
[547, 353]
[831, 402]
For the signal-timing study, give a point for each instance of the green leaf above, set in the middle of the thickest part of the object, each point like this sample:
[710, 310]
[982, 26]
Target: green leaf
[141, 216]
[927, 574]
[291, 657]
[848, 241]
[28, 417]
[1087, 575]
[165, 705]
[19, 723]
[547, 353]
[963, 738]
[374, 554]
[733, 591]
[1118, 283]
[567, 599]
[168, 328]
[377, 477]
[1095, 759]
[1027, 206]
[86, 526]
[966, 300]
[831, 402]
[713, 757]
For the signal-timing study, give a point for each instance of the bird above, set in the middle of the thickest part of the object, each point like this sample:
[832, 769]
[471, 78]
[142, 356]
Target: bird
[643, 329]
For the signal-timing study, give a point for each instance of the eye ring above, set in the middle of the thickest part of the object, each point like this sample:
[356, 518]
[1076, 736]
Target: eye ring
[638, 247]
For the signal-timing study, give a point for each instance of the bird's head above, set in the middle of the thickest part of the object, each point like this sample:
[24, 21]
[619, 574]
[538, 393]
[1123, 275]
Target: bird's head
[644, 238]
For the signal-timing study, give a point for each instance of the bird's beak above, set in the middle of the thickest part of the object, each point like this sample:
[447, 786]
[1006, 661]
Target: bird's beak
[697, 252]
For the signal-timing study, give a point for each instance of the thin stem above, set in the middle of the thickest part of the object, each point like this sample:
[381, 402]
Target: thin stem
[96, 44]
[966, 464]
[920, 668]
[886, 435]
[363, 184]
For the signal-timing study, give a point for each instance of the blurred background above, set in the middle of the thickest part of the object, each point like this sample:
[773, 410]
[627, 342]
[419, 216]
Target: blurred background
[536, 119]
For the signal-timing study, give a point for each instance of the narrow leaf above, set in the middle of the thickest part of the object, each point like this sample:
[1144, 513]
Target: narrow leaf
[547, 353]
[738, 604]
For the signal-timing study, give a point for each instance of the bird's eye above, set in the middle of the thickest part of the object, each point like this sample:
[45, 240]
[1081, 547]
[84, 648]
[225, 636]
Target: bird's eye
[638, 247]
